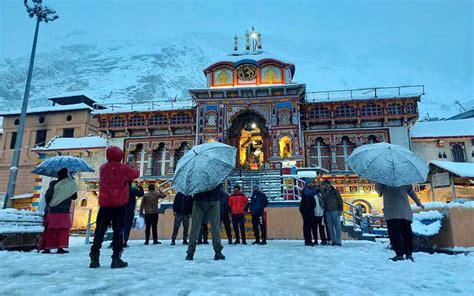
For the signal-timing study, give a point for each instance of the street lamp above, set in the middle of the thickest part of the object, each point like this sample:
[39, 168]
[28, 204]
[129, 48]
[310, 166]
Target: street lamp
[46, 14]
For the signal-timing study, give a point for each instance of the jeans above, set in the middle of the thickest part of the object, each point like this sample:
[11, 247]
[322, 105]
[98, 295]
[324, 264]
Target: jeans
[178, 220]
[105, 216]
[401, 236]
[212, 210]
[258, 223]
[151, 220]
[319, 226]
[238, 221]
[334, 226]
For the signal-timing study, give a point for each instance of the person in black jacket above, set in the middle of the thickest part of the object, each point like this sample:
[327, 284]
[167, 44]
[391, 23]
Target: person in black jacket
[182, 209]
[225, 218]
[307, 205]
[258, 203]
[133, 193]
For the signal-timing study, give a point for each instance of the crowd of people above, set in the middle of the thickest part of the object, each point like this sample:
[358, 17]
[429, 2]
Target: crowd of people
[321, 208]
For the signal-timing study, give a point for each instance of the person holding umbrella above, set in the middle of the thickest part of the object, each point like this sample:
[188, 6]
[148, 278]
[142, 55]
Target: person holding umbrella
[394, 169]
[399, 216]
[114, 179]
[57, 220]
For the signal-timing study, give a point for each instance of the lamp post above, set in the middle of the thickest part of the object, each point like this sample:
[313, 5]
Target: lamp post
[46, 14]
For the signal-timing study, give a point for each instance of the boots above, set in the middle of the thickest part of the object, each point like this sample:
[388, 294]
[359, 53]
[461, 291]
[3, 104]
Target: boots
[263, 242]
[146, 242]
[206, 242]
[185, 242]
[256, 242]
[94, 262]
[230, 241]
[237, 241]
[118, 263]
[219, 256]
[189, 256]
[173, 242]
[397, 258]
[62, 251]
[244, 242]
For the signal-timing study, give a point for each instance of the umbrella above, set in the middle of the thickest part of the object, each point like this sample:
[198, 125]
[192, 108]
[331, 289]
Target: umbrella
[204, 167]
[388, 164]
[51, 166]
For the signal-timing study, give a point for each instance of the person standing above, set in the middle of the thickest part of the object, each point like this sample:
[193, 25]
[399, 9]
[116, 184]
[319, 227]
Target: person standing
[149, 208]
[334, 208]
[225, 218]
[307, 206]
[57, 220]
[134, 192]
[204, 233]
[182, 209]
[114, 178]
[399, 216]
[206, 203]
[258, 203]
[237, 204]
[318, 218]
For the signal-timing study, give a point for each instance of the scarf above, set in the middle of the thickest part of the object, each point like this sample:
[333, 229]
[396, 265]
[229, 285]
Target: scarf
[62, 191]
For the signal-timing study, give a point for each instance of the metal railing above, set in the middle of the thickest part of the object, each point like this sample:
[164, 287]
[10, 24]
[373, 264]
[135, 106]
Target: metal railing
[353, 216]
[359, 93]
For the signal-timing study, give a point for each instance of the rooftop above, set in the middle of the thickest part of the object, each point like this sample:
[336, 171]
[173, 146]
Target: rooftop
[443, 128]
[56, 108]
[148, 106]
[58, 143]
[461, 169]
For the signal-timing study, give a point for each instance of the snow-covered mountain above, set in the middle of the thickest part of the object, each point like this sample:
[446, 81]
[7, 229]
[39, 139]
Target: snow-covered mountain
[148, 69]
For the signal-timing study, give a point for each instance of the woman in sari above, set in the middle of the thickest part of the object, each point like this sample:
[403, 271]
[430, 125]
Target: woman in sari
[57, 220]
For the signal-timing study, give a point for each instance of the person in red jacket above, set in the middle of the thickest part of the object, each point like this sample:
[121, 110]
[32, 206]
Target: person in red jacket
[114, 177]
[237, 205]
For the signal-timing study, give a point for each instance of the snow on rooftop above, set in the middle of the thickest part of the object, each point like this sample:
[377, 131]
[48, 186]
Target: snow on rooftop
[180, 104]
[74, 143]
[1, 125]
[462, 169]
[22, 196]
[55, 108]
[443, 128]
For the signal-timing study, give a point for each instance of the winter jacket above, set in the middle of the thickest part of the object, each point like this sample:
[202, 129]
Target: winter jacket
[224, 203]
[332, 199]
[64, 207]
[211, 195]
[149, 203]
[258, 203]
[114, 178]
[308, 202]
[320, 205]
[182, 204]
[395, 201]
[133, 193]
[237, 203]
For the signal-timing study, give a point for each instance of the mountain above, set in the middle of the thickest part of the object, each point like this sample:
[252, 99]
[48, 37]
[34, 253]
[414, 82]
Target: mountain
[142, 69]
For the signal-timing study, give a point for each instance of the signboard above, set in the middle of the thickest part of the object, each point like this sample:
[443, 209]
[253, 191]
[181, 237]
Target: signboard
[440, 180]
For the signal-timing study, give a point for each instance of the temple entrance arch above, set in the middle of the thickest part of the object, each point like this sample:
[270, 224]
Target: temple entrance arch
[249, 134]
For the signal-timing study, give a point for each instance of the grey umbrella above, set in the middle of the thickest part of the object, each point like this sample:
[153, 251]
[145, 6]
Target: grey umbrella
[388, 164]
[51, 166]
[204, 167]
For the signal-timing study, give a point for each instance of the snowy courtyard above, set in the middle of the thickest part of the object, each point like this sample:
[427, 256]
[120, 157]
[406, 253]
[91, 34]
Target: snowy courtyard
[281, 267]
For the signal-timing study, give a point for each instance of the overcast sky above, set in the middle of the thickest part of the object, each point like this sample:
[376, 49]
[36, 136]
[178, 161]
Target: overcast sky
[427, 33]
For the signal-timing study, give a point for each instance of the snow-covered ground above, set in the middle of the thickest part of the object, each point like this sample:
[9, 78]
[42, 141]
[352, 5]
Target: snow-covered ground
[280, 268]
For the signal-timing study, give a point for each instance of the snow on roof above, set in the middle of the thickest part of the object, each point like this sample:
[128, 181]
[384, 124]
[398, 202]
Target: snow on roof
[74, 143]
[462, 169]
[443, 128]
[1, 125]
[112, 108]
[250, 55]
[56, 108]
[22, 196]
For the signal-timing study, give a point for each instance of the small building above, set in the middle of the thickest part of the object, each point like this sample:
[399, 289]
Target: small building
[92, 150]
[68, 117]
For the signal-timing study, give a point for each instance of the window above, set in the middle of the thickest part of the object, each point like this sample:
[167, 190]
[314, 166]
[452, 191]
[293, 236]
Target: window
[394, 109]
[371, 110]
[84, 203]
[320, 154]
[103, 122]
[181, 118]
[41, 119]
[411, 108]
[117, 121]
[319, 112]
[136, 120]
[211, 119]
[40, 138]
[69, 118]
[345, 111]
[17, 121]
[284, 117]
[457, 149]
[68, 133]
[372, 139]
[158, 119]
[13, 141]
[343, 150]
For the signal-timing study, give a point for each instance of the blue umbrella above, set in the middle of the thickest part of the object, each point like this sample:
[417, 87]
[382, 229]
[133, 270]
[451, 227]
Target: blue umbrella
[51, 166]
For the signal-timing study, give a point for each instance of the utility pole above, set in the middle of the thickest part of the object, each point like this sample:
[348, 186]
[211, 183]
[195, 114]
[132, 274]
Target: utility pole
[46, 14]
